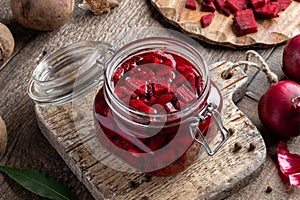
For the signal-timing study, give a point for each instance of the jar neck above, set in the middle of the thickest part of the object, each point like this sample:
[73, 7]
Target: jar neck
[163, 44]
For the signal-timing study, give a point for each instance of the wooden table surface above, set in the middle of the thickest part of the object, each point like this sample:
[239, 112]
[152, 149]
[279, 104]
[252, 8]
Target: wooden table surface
[27, 147]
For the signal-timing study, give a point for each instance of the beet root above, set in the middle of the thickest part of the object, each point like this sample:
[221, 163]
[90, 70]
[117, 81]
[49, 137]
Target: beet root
[43, 15]
[7, 43]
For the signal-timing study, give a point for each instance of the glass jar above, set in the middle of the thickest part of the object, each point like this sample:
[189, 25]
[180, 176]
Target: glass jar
[161, 140]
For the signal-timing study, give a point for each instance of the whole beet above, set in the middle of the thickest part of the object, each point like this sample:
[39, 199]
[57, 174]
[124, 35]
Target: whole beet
[42, 15]
[7, 43]
[3, 136]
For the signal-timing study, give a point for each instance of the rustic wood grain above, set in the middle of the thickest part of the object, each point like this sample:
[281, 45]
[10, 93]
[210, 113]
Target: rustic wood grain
[27, 147]
[270, 32]
[211, 178]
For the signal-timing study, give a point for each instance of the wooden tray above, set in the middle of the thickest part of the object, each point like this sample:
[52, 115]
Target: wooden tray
[270, 32]
[211, 178]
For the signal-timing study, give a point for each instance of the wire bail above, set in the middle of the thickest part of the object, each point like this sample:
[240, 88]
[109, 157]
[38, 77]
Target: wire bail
[209, 110]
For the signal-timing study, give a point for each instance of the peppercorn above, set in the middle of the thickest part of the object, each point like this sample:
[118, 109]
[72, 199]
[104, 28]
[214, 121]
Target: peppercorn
[237, 147]
[269, 189]
[252, 146]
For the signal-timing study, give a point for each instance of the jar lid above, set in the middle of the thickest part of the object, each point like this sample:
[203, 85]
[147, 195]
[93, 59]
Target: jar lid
[69, 73]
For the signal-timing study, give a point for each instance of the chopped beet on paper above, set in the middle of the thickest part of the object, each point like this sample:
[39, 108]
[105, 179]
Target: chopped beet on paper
[206, 20]
[208, 6]
[191, 4]
[222, 7]
[267, 11]
[236, 5]
[244, 22]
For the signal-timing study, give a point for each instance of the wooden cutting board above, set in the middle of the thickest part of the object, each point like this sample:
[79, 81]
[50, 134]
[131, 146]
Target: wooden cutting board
[71, 133]
[270, 31]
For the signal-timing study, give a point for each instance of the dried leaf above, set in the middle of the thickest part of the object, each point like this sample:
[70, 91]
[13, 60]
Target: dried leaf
[39, 183]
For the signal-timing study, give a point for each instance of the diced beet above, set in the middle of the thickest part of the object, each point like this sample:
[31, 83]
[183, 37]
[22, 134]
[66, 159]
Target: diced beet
[164, 81]
[127, 66]
[236, 5]
[185, 94]
[191, 4]
[206, 20]
[134, 83]
[192, 81]
[102, 109]
[244, 22]
[152, 100]
[282, 4]
[188, 74]
[157, 60]
[159, 89]
[184, 68]
[138, 74]
[267, 11]
[141, 106]
[259, 3]
[222, 7]
[170, 108]
[208, 6]
[165, 73]
[122, 91]
[142, 91]
[157, 142]
[165, 98]
[118, 74]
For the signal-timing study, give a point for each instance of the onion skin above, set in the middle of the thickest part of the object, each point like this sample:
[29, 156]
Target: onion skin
[291, 59]
[277, 109]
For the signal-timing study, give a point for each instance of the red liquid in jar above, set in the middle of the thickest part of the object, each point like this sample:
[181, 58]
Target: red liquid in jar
[153, 82]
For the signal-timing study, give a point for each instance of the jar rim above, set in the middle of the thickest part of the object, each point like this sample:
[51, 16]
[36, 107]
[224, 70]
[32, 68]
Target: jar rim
[145, 43]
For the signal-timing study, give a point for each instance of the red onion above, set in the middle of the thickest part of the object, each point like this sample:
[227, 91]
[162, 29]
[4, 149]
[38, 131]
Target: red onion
[291, 59]
[279, 109]
[289, 164]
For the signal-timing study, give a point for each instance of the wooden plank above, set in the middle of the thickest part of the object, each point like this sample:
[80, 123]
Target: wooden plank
[211, 178]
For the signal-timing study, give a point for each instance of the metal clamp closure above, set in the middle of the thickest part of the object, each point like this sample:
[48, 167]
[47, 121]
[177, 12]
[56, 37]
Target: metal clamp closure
[209, 111]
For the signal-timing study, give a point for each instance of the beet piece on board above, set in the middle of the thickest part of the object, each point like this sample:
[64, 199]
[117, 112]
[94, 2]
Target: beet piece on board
[236, 5]
[244, 22]
[208, 6]
[222, 7]
[191, 4]
[259, 3]
[267, 11]
[207, 19]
